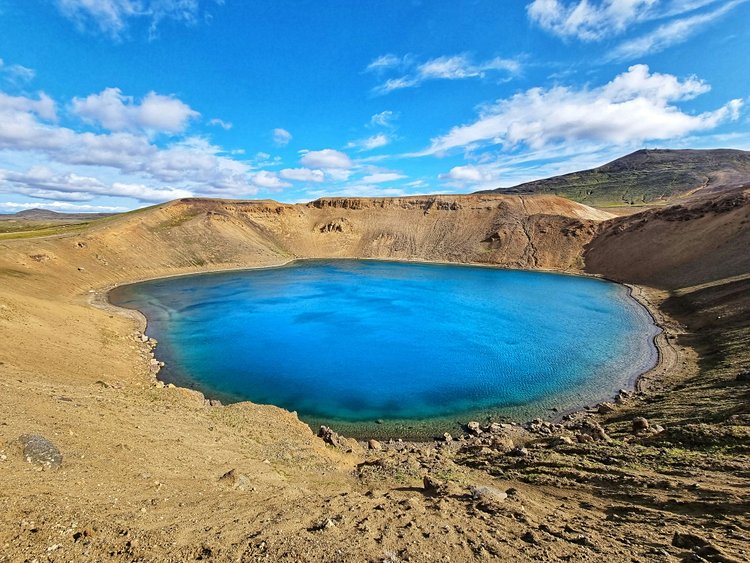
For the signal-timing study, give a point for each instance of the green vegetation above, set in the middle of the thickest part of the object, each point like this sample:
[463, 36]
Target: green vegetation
[647, 178]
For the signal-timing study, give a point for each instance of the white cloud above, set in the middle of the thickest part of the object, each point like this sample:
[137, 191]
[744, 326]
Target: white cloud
[226, 125]
[116, 112]
[587, 20]
[113, 17]
[327, 159]
[370, 143]
[61, 206]
[17, 75]
[383, 119]
[636, 106]
[192, 164]
[268, 180]
[382, 177]
[385, 62]
[281, 137]
[302, 175]
[471, 174]
[44, 107]
[668, 34]
[456, 67]
[42, 183]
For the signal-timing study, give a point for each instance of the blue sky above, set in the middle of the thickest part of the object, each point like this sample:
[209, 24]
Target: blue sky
[114, 104]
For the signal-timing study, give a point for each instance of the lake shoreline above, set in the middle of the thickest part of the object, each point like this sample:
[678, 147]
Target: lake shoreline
[397, 428]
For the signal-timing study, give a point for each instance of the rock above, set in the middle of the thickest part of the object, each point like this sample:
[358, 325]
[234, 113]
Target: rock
[606, 408]
[40, 451]
[434, 486]
[562, 441]
[640, 424]
[144, 338]
[595, 430]
[519, 451]
[495, 427]
[529, 537]
[474, 428]
[235, 480]
[214, 403]
[329, 436]
[743, 376]
[374, 445]
[502, 443]
[447, 437]
[584, 438]
[484, 493]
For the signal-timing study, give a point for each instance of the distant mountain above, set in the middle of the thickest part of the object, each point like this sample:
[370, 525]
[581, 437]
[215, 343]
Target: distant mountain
[38, 214]
[648, 177]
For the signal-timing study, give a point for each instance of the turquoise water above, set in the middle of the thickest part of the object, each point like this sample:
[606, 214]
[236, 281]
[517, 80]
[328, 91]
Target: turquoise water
[349, 342]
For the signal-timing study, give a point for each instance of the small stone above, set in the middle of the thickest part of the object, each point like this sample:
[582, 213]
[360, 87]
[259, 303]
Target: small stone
[374, 445]
[40, 451]
[640, 424]
[235, 480]
[329, 436]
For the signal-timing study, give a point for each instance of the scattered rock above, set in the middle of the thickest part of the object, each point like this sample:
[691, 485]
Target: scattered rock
[640, 424]
[562, 441]
[433, 486]
[329, 436]
[474, 428]
[594, 429]
[40, 451]
[235, 480]
[374, 445]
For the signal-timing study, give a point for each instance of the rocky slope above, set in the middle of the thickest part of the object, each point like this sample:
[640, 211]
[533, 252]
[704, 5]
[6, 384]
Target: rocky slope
[648, 177]
[152, 473]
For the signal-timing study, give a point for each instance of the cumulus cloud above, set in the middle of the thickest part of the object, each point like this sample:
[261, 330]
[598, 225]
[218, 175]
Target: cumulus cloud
[191, 164]
[468, 173]
[113, 17]
[117, 112]
[370, 143]
[302, 175]
[456, 67]
[635, 106]
[44, 107]
[268, 180]
[281, 137]
[326, 159]
[42, 183]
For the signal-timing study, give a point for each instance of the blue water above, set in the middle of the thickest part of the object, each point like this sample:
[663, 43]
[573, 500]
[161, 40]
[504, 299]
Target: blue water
[354, 341]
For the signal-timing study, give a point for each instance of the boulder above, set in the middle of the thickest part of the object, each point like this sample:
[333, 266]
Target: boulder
[743, 376]
[502, 442]
[40, 451]
[235, 480]
[488, 499]
[519, 451]
[474, 428]
[640, 424]
[606, 408]
[562, 441]
[447, 437]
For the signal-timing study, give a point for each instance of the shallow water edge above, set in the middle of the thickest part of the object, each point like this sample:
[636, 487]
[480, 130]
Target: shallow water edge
[426, 429]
